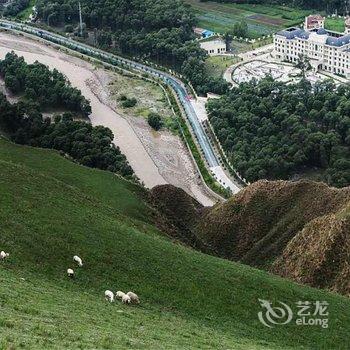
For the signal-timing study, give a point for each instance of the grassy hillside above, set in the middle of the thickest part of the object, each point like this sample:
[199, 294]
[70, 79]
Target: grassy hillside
[256, 225]
[320, 253]
[51, 209]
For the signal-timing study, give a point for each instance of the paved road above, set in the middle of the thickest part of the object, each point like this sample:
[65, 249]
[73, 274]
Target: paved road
[175, 83]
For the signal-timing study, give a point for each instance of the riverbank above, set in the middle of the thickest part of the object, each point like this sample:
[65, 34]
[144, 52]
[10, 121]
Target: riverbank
[93, 82]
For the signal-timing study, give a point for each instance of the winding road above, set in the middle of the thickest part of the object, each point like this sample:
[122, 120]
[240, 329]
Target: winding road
[175, 83]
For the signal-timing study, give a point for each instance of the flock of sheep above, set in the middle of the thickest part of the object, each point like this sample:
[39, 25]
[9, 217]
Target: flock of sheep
[126, 298]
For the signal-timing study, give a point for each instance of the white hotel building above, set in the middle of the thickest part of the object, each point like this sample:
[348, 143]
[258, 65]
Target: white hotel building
[327, 50]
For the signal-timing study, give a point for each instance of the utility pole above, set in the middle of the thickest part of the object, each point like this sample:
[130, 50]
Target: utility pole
[346, 7]
[80, 21]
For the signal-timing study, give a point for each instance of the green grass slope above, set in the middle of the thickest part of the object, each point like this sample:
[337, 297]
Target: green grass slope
[51, 209]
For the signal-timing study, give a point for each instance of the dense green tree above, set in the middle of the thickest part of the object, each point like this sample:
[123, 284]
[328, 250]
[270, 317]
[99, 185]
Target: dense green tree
[303, 64]
[88, 145]
[129, 102]
[158, 30]
[155, 121]
[14, 7]
[37, 82]
[240, 29]
[274, 130]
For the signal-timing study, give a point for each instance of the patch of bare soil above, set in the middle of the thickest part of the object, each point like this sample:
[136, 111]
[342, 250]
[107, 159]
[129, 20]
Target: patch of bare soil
[167, 151]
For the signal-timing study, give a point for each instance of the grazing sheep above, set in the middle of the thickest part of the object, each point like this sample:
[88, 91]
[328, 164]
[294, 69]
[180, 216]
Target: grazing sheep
[126, 299]
[4, 255]
[109, 296]
[119, 294]
[134, 298]
[78, 260]
[70, 272]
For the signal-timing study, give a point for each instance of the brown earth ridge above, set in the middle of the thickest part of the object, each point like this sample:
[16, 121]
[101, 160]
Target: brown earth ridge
[299, 230]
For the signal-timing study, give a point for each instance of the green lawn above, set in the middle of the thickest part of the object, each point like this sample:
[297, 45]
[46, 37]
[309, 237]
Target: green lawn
[217, 65]
[52, 209]
[335, 24]
[261, 19]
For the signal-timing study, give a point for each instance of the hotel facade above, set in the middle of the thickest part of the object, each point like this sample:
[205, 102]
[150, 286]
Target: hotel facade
[328, 51]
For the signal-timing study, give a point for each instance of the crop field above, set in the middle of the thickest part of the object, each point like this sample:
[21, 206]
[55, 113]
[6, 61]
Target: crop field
[261, 19]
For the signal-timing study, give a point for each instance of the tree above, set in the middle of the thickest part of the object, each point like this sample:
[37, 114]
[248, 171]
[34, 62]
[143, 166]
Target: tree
[155, 121]
[240, 29]
[303, 64]
[129, 102]
[12, 83]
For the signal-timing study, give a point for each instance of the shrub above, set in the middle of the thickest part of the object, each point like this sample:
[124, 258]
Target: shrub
[129, 102]
[155, 121]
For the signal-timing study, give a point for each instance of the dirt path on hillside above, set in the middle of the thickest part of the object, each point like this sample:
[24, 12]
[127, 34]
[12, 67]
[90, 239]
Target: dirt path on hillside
[157, 158]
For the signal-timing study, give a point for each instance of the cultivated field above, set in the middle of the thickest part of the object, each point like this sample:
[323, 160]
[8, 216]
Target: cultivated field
[261, 19]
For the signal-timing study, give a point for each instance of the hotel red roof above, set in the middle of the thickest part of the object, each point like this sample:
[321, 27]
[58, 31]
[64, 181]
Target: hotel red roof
[314, 19]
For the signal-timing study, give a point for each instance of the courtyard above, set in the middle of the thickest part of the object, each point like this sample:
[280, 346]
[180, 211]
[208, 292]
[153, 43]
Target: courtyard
[283, 72]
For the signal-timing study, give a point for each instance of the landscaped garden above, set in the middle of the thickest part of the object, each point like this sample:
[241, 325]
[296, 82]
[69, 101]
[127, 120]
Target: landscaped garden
[335, 24]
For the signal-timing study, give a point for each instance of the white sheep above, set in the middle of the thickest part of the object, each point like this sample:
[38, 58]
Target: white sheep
[126, 299]
[133, 297]
[4, 255]
[78, 260]
[109, 296]
[119, 294]
[70, 272]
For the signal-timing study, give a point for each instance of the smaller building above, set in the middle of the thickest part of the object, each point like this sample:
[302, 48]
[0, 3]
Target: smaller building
[203, 33]
[314, 22]
[198, 31]
[213, 46]
[207, 33]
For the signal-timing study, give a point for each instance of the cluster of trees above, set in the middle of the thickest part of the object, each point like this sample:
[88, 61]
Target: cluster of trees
[38, 83]
[88, 145]
[15, 7]
[273, 130]
[159, 30]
